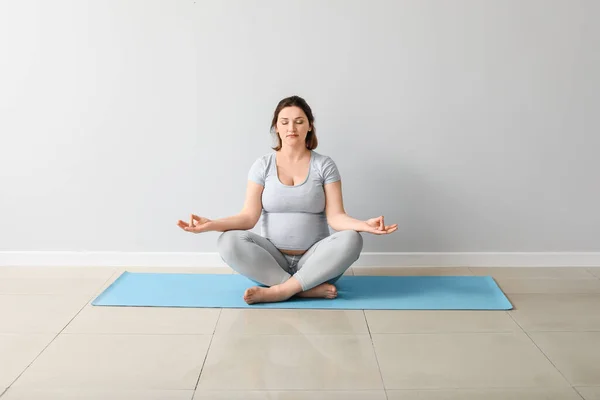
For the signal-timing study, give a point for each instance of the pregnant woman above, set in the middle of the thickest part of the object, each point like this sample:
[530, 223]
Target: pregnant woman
[297, 194]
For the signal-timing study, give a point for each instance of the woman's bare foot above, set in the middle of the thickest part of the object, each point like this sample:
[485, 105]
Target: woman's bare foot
[324, 290]
[257, 294]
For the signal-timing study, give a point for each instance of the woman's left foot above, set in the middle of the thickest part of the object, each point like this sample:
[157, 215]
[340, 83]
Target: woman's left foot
[259, 294]
[324, 291]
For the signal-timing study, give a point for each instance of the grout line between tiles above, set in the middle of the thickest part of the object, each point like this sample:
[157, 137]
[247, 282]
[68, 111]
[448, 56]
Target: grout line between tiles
[577, 391]
[385, 391]
[589, 270]
[455, 389]
[375, 354]
[54, 338]
[541, 351]
[567, 331]
[207, 351]
[132, 334]
[417, 389]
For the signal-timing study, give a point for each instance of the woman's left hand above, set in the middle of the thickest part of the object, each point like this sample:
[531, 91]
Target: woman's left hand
[377, 226]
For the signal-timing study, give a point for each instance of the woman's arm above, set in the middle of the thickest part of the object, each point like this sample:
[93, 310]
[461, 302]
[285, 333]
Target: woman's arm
[247, 218]
[334, 210]
[233, 223]
[340, 221]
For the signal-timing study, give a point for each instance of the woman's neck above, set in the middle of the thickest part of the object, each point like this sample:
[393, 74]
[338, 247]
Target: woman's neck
[293, 154]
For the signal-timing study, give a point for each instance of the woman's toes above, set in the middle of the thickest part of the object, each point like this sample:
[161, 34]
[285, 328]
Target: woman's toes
[250, 294]
[330, 291]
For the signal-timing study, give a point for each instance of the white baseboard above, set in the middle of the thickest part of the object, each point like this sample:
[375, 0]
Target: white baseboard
[482, 259]
[367, 259]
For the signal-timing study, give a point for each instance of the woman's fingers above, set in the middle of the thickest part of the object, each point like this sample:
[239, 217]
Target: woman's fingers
[197, 218]
[379, 227]
[386, 230]
[190, 229]
[195, 224]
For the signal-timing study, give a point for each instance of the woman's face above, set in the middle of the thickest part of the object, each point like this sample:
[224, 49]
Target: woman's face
[292, 126]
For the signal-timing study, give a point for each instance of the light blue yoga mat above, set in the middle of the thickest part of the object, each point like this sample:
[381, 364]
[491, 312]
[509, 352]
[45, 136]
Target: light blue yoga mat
[354, 292]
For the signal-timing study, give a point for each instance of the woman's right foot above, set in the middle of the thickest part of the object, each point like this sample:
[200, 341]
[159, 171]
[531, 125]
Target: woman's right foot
[324, 291]
[259, 294]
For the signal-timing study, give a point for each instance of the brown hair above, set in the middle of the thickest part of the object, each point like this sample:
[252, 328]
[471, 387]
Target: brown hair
[311, 136]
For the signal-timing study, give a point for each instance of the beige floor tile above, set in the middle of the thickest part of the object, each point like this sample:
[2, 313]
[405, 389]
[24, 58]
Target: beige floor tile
[595, 271]
[143, 362]
[575, 354]
[412, 271]
[38, 313]
[589, 393]
[548, 285]
[144, 320]
[86, 394]
[433, 321]
[534, 272]
[487, 394]
[465, 360]
[291, 322]
[290, 362]
[57, 272]
[291, 395]
[17, 351]
[556, 312]
[60, 286]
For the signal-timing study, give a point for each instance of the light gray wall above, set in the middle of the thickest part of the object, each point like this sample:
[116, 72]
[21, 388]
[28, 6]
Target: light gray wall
[472, 124]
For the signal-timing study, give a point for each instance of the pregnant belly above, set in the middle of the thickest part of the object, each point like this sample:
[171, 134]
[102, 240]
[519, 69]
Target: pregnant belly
[293, 233]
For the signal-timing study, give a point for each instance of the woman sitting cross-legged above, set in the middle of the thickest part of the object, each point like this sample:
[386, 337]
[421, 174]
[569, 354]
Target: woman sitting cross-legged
[298, 194]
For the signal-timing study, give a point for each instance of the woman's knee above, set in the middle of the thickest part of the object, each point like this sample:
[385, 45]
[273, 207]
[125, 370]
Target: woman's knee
[353, 241]
[229, 241]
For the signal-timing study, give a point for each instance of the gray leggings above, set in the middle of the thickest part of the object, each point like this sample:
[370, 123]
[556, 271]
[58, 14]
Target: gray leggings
[259, 260]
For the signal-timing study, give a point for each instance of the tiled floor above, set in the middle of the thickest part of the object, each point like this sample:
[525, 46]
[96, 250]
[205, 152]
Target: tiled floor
[55, 345]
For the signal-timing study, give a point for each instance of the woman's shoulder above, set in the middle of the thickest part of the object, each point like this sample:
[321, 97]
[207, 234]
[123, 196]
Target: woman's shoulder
[260, 168]
[326, 168]
[321, 159]
[263, 161]
[264, 158]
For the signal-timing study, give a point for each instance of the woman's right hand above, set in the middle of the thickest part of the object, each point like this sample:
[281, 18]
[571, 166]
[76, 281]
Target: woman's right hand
[197, 224]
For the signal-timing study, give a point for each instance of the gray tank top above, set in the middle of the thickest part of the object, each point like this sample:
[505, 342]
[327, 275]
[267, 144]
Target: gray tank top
[293, 217]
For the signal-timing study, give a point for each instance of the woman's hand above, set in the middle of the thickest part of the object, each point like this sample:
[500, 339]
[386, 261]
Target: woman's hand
[197, 224]
[377, 226]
